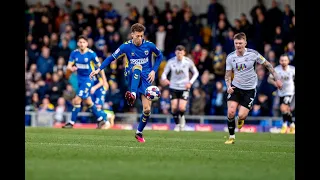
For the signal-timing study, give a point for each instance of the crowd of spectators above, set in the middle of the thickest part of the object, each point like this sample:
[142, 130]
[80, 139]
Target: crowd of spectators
[52, 30]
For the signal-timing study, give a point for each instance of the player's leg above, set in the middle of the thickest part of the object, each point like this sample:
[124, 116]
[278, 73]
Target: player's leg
[233, 102]
[175, 113]
[144, 118]
[135, 81]
[232, 109]
[99, 101]
[77, 104]
[100, 115]
[175, 108]
[246, 102]
[182, 108]
[75, 110]
[286, 113]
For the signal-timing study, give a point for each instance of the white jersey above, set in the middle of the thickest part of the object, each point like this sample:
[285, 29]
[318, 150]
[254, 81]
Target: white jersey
[287, 79]
[180, 72]
[244, 68]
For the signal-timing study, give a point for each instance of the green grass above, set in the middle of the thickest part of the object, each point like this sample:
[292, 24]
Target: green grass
[77, 154]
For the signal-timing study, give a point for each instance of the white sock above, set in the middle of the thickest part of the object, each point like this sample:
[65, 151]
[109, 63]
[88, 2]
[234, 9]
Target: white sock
[138, 132]
[134, 94]
[232, 136]
[284, 124]
[292, 125]
[71, 122]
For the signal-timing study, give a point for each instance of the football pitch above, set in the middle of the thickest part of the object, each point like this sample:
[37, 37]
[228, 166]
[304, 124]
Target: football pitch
[90, 154]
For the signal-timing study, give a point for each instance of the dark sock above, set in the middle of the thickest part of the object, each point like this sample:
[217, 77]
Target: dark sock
[231, 125]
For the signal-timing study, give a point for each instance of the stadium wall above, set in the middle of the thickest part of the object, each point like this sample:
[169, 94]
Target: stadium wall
[233, 7]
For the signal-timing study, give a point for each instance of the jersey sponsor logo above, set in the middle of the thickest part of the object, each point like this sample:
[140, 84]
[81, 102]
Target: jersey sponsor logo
[241, 67]
[178, 71]
[139, 61]
[82, 66]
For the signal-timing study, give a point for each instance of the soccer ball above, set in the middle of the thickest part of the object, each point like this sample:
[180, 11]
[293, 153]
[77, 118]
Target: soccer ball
[153, 93]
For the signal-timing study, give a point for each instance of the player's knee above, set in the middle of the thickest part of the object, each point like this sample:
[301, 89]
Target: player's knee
[284, 108]
[137, 66]
[242, 116]
[146, 112]
[174, 109]
[231, 112]
[182, 109]
[77, 100]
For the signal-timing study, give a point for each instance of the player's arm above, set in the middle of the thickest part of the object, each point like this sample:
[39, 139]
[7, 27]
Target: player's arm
[97, 86]
[268, 65]
[271, 80]
[228, 75]
[71, 62]
[195, 72]
[164, 75]
[159, 57]
[102, 74]
[115, 55]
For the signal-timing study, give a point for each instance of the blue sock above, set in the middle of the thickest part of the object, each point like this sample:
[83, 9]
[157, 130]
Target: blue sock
[76, 109]
[135, 79]
[95, 112]
[143, 121]
[103, 114]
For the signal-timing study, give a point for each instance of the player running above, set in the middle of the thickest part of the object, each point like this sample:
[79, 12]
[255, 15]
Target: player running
[83, 61]
[286, 73]
[242, 89]
[179, 84]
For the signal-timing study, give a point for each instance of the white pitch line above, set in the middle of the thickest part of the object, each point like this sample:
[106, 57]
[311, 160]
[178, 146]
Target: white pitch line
[140, 147]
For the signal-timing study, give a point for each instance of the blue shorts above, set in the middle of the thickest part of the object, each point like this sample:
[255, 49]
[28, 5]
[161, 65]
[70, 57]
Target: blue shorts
[99, 96]
[143, 84]
[84, 85]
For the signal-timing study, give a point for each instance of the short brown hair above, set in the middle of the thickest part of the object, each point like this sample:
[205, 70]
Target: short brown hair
[83, 37]
[240, 36]
[180, 48]
[137, 27]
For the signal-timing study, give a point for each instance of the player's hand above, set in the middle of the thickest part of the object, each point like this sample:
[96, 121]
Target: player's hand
[151, 76]
[106, 85]
[93, 73]
[165, 82]
[73, 68]
[92, 90]
[278, 84]
[188, 85]
[230, 89]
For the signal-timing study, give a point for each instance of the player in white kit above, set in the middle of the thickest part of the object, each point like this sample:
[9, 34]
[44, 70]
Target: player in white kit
[242, 88]
[179, 84]
[286, 73]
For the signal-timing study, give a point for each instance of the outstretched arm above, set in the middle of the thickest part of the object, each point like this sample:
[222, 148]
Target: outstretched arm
[276, 78]
[227, 78]
[270, 68]
[271, 80]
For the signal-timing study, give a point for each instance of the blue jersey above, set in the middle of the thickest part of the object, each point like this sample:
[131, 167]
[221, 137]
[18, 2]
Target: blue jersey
[137, 55]
[85, 65]
[85, 62]
[99, 95]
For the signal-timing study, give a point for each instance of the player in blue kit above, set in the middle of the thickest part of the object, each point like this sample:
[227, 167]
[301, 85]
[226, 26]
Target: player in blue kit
[138, 70]
[98, 93]
[83, 60]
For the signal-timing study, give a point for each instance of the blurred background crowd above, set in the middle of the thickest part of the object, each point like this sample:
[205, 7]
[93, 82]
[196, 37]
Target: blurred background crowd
[51, 31]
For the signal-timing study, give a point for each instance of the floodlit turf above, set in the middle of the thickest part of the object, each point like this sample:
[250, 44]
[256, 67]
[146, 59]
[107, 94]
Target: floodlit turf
[77, 154]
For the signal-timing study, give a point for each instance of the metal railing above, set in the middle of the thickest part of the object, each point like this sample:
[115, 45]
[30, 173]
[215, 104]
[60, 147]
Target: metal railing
[47, 118]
